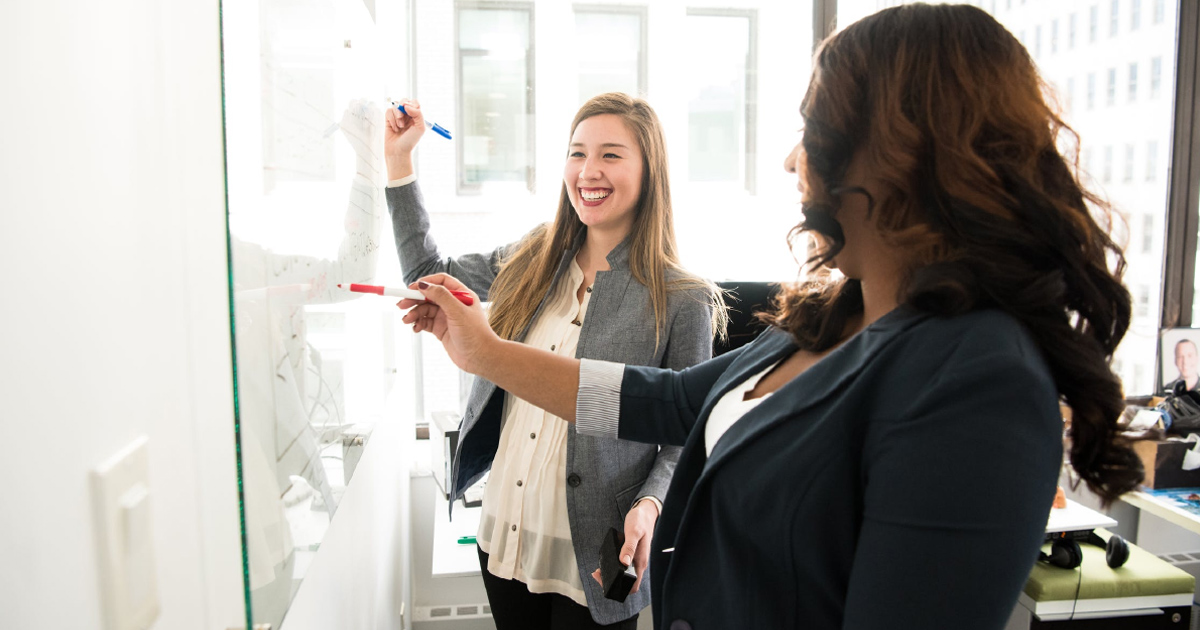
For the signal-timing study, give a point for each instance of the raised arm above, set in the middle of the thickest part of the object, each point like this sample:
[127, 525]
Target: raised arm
[419, 254]
[657, 405]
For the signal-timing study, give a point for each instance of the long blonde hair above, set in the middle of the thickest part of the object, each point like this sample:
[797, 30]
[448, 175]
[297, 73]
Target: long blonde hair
[529, 271]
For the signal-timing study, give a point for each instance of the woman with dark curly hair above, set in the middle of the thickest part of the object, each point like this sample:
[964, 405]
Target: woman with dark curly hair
[885, 455]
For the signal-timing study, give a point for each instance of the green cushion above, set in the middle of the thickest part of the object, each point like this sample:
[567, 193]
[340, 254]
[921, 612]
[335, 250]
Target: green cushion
[1143, 575]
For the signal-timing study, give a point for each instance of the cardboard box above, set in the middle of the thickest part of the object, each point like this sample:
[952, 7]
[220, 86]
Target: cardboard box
[1163, 461]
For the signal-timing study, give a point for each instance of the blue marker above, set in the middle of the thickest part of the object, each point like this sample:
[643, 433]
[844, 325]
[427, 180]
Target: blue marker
[438, 129]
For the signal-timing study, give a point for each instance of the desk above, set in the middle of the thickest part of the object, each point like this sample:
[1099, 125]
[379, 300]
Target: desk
[1076, 517]
[451, 559]
[1163, 509]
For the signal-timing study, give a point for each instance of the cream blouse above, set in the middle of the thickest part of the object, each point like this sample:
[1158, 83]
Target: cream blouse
[524, 526]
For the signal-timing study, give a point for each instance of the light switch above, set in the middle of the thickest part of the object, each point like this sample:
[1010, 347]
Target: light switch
[121, 505]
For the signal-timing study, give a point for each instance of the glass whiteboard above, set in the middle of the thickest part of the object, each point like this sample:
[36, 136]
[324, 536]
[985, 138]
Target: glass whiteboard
[303, 91]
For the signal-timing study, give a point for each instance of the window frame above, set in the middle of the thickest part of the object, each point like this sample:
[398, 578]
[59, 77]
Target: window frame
[1183, 178]
[462, 187]
[643, 13]
[751, 96]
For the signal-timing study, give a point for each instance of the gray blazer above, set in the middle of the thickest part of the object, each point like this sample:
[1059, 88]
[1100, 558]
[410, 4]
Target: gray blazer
[604, 477]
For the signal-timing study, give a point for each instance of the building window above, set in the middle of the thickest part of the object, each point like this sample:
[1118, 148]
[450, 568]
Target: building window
[1070, 93]
[1155, 76]
[1135, 14]
[1071, 31]
[721, 121]
[1091, 90]
[1133, 78]
[1086, 161]
[495, 94]
[1093, 22]
[1053, 36]
[1037, 41]
[1114, 16]
[1106, 174]
[1147, 233]
[1128, 163]
[611, 44]
[1151, 160]
[1160, 10]
[1110, 94]
[1142, 301]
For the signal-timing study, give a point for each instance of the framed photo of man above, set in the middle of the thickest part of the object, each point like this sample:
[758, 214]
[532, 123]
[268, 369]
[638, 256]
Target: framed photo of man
[1180, 352]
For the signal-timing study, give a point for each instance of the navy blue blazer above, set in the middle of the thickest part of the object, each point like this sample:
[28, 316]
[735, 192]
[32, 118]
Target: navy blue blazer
[903, 481]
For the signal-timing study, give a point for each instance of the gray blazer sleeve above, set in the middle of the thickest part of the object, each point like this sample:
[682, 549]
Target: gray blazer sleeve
[690, 342]
[419, 254]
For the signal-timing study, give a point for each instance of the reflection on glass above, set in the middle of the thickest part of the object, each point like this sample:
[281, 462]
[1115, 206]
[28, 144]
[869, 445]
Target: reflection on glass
[718, 78]
[610, 51]
[305, 213]
[1130, 129]
[496, 96]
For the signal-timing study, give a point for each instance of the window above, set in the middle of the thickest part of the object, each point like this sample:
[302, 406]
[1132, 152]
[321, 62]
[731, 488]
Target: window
[1141, 303]
[1053, 36]
[1155, 76]
[1091, 90]
[495, 95]
[1128, 163]
[1151, 160]
[1148, 236]
[1106, 175]
[1085, 160]
[1071, 31]
[1093, 22]
[1110, 95]
[721, 83]
[1113, 21]
[1133, 81]
[1135, 14]
[611, 45]
[1160, 9]
[1070, 94]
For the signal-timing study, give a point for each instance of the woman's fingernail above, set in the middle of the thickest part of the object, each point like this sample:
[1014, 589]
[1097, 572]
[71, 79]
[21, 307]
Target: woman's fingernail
[626, 559]
[422, 285]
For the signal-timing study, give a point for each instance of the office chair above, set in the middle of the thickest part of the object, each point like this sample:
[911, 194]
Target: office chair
[744, 299]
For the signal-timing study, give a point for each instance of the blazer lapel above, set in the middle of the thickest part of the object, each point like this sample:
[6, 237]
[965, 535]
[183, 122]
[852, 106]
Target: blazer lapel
[809, 389]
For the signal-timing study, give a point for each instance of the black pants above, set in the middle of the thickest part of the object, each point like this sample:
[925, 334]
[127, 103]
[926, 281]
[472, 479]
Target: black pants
[515, 608]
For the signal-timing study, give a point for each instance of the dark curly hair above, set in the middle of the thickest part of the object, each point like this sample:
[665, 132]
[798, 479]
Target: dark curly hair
[948, 111]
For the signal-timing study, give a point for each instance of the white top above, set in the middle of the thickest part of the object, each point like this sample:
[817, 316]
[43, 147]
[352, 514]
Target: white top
[731, 407]
[524, 525]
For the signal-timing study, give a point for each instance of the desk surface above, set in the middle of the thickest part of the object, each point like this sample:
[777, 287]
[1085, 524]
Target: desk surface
[1076, 517]
[1164, 508]
[451, 559]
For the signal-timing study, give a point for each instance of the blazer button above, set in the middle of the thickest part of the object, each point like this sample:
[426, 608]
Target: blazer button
[680, 624]
[573, 480]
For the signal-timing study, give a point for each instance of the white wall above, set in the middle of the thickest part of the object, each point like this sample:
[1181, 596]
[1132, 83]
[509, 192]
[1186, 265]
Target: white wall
[114, 321]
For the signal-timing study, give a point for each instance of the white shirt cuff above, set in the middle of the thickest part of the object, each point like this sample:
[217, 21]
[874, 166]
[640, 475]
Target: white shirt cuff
[403, 181]
[598, 407]
[652, 499]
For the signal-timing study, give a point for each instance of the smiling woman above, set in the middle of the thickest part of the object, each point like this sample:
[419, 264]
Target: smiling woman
[610, 251]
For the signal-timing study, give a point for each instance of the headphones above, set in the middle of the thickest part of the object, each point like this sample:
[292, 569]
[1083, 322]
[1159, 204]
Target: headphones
[1065, 551]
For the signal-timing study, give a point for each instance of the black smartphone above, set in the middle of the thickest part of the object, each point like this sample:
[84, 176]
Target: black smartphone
[617, 578]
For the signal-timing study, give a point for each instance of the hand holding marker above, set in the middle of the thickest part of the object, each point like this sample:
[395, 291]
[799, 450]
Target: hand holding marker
[412, 294]
[438, 129]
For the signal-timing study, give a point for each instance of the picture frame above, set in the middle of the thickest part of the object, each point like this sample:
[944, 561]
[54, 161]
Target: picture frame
[1176, 356]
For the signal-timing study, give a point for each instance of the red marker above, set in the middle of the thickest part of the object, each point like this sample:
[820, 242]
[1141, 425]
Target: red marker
[411, 294]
